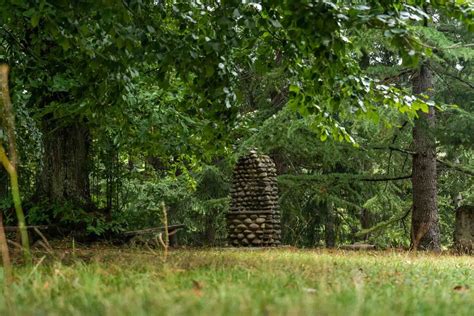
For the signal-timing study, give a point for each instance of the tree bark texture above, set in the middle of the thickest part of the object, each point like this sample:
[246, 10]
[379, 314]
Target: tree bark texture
[65, 173]
[425, 222]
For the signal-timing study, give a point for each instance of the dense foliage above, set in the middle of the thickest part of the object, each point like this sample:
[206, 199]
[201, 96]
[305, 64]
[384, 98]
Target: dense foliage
[121, 105]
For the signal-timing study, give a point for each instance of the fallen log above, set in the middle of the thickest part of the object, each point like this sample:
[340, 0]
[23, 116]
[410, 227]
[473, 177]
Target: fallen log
[15, 228]
[357, 246]
[171, 228]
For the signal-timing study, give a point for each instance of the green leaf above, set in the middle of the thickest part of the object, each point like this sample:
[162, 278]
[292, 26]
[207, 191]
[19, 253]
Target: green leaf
[424, 107]
[294, 88]
[35, 20]
[209, 71]
[275, 23]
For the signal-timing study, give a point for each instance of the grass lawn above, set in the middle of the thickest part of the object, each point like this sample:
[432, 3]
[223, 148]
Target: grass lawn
[111, 281]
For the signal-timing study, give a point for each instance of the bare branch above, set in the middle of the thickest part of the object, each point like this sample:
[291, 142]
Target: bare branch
[404, 151]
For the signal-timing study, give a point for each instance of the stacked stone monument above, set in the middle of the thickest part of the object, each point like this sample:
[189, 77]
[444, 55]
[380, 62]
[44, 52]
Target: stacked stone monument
[254, 217]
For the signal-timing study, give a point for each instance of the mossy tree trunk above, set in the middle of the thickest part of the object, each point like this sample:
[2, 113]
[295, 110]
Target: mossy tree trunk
[10, 161]
[64, 176]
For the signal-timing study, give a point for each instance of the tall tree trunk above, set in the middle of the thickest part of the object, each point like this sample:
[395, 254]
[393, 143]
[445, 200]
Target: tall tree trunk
[425, 222]
[311, 236]
[65, 173]
[366, 220]
[210, 227]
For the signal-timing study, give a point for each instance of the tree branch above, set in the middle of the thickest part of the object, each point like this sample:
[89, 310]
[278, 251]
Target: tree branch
[470, 85]
[458, 45]
[381, 179]
[440, 73]
[24, 48]
[448, 164]
[404, 151]
[397, 76]
[354, 177]
[456, 167]
[382, 224]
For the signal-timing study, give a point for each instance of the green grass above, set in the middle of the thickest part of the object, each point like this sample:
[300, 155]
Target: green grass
[107, 281]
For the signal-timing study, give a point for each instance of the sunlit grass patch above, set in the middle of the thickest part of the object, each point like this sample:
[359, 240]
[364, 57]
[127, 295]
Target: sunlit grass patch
[248, 282]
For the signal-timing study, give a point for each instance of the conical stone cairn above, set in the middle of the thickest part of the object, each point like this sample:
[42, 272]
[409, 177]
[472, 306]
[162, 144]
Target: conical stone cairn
[254, 217]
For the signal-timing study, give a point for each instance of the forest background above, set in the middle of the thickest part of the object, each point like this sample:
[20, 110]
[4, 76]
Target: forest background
[122, 105]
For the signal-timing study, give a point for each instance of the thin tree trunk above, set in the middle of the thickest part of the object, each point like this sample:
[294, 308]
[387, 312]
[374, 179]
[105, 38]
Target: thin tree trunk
[111, 164]
[330, 224]
[365, 218]
[7, 264]
[210, 228]
[10, 163]
[425, 222]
